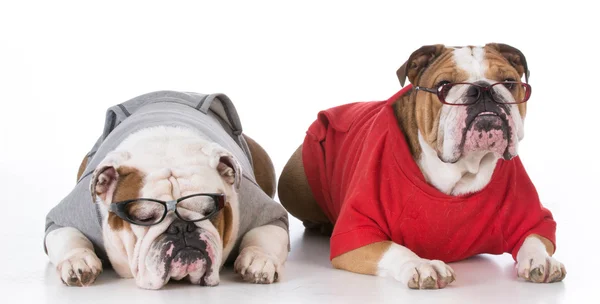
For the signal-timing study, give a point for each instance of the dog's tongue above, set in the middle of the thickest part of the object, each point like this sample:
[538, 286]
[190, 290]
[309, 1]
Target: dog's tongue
[486, 133]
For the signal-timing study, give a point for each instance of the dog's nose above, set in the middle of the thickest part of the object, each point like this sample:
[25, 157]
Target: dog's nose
[485, 102]
[179, 226]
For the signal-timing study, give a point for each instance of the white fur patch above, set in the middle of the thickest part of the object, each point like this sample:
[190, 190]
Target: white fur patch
[73, 256]
[471, 60]
[470, 174]
[392, 261]
[406, 267]
[263, 253]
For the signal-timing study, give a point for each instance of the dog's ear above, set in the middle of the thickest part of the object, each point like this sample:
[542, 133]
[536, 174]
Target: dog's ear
[105, 176]
[514, 56]
[225, 163]
[230, 170]
[418, 61]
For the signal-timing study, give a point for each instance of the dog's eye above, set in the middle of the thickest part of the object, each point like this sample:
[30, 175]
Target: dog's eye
[509, 83]
[441, 83]
[196, 208]
[144, 219]
[443, 88]
[144, 212]
[208, 210]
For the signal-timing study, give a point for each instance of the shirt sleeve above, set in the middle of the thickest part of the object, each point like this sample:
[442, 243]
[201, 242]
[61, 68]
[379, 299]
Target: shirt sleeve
[524, 212]
[362, 219]
[77, 210]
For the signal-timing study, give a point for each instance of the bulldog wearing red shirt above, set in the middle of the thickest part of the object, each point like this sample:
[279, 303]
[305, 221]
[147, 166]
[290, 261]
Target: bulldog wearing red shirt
[429, 176]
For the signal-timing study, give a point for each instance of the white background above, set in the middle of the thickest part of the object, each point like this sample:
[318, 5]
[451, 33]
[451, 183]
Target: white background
[63, 63]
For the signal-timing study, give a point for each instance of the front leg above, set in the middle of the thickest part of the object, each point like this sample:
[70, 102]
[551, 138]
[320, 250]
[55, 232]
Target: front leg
[535, 262]
[73, 256]
[263, 252]
[390, 259]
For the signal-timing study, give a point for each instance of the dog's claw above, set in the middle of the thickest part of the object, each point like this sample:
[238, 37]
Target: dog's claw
[429, 283]
[537, 274]
[426, 274]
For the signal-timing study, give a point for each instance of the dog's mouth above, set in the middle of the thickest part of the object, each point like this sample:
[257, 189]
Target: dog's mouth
[487, 132]
[189, 262]
[188, 257]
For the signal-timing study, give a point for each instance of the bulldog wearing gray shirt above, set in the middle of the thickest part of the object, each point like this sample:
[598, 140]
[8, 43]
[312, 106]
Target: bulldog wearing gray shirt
[172, 189]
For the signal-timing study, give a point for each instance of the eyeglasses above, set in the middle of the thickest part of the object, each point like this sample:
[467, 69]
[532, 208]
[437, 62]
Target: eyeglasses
[148, 212]
[464, 93]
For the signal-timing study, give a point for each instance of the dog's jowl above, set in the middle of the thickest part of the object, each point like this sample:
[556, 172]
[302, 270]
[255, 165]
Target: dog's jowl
[429, 176]
[171, 190]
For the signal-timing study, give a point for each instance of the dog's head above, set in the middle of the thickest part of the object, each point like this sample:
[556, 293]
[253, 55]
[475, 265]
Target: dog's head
[173, 248]
[493, 119]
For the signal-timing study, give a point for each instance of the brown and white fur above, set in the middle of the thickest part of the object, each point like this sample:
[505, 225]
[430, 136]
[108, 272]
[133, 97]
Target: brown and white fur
[167, 163]
[451, 154]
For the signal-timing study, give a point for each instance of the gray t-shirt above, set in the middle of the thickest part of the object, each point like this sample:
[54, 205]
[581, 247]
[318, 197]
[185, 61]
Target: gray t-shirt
[212, 116]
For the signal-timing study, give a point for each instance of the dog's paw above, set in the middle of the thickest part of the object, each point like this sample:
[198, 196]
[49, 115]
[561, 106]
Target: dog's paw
[541, 268]
[255, 266]
[80, 268]
[427, 274]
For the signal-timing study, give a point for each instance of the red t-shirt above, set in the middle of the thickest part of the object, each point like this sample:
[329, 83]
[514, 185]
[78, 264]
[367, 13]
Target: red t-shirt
[363, 176]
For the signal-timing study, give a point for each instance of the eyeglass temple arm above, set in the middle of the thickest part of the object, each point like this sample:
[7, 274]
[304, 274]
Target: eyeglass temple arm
[112, 207]
[221, 202]
[418, 88]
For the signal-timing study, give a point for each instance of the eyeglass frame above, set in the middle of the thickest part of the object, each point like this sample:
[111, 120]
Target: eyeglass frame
[118, 208]
[482, 90]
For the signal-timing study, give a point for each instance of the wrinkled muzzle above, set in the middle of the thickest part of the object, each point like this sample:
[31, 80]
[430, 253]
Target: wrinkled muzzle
[488, 132]
[183, 251]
